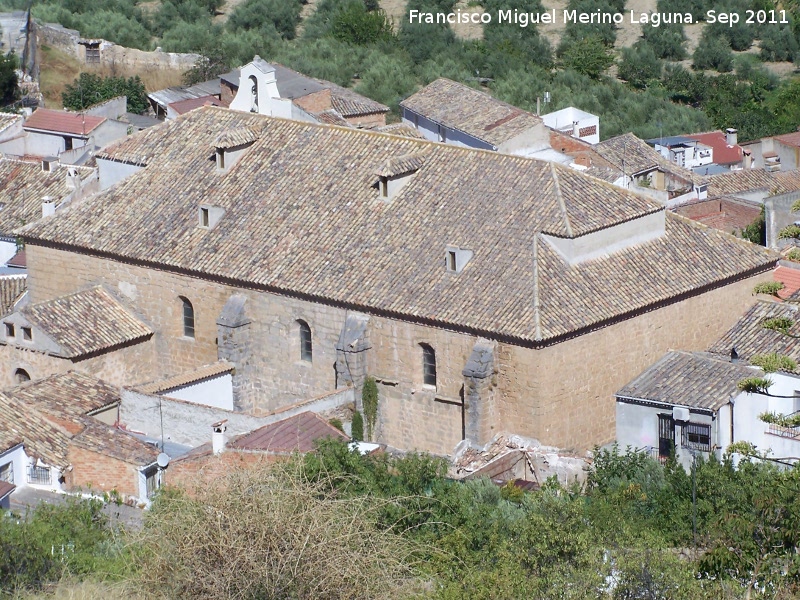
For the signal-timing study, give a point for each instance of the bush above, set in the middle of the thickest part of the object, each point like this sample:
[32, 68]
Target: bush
[639, 65]
[115, 27]
[588, 56]
[667, 41]
[357, 428]
[356, 25]
[284, 15]
[90, 89]
[268, 534]
[9, 91]
[779, 43]
[713, 52]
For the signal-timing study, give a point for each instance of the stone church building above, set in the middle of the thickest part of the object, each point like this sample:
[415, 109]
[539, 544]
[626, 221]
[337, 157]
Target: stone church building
[485, 293]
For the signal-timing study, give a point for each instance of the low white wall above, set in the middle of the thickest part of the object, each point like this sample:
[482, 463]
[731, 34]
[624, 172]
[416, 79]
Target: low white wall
[216, 392]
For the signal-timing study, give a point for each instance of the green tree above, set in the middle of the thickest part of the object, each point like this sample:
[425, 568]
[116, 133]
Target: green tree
[779, 43]
[713, 52]
[668, 41]
[90, 89]
[357, 428]
[639, 65]
[356, 25]
[9, 86]
[756, 232]
[588, 56]
[283, 15]
[369, 401]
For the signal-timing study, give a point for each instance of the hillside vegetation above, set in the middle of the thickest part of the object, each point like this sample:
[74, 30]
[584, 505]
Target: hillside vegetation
[339, 525]
[354, 43]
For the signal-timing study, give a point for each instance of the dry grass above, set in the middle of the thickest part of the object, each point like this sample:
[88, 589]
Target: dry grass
[88, 590]
[56, 70]
[260, 533]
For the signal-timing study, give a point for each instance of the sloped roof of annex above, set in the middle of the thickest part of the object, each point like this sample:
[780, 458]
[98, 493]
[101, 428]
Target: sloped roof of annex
[304, 217]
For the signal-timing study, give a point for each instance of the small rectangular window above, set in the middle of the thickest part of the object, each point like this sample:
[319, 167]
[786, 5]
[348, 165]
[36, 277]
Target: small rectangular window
[9, 330]
[220, 158]
[38, 475]
[204, 220]
[697, 436]
[451, 260]
[27, 334]
[384, 187]
[7, 473]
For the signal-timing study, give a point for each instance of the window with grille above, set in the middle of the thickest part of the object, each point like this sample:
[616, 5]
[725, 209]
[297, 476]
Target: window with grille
[666, 437]
[7, 473]
[188, 318]
[697, 436]
[428, 365]
[152, 482]
[306, 346]
[39, 475]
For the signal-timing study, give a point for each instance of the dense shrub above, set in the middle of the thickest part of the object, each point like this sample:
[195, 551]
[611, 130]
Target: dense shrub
[284, 15]
[639, 65]
[587, 56]
[667, 41]
[90, 89]
[713, 52]
[779, 43]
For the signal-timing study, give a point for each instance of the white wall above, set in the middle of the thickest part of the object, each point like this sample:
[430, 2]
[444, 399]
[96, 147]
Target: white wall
[217, 392]
[748, 427]
[43, 144]
[430, 131]
[7, 250]
[112, 171]
[19, 459]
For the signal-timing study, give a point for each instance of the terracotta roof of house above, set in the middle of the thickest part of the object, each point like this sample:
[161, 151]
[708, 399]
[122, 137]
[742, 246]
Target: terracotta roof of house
[109, 441]
[295, 434]
[41, 437]
[304, 194]
[18, 260]
[400, 129]
[23, 184]
[400, 165]
[11, 290]
[790, 139]
[790, 277]
[331, 117]
[187, 378]
[236, 137]
[86, 322]
[59, 121]
[750, 337]
[725, 214]
[184, 106]
[747, 180]
[689, 379]
[351, 104]
[6, 488]
[71, 394]
[472, 111]
[632, 155]
[723, 153]
[50, 415]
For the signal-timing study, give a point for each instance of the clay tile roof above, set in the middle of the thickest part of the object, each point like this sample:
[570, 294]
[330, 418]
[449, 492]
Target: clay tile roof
[400, 165]
[295, 434]
[400, 129]
[302, 217]
[109, 441]
[472, 111]
[331, 117]
[746, 180]
[67, 395]
[86, 322]
[236, 137]
[632, 155]
[11, 289]
[42, 438]
[184, 106]
[790, 139]
[750, 337]
[790, 277]
[18, 260]
[23, 184]
[351, 104]
[689, 379]
[59, 121]
[6, 488]
[188, 378]
[723, 153]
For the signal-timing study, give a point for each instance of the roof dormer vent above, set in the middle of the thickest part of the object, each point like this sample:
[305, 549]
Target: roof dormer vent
[209, 216]
[396, 172]
[49, 164]
[230, 146]
[457, 258]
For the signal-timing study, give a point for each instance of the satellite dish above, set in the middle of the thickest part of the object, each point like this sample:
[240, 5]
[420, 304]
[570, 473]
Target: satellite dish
[163, 460]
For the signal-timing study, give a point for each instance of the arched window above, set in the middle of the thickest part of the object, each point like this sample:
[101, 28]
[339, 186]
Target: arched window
[306, 347]
[428, 365]
[188, 318]
[21, 376]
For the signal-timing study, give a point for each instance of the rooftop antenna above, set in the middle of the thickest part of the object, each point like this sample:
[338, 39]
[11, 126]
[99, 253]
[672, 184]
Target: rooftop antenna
[538, 101]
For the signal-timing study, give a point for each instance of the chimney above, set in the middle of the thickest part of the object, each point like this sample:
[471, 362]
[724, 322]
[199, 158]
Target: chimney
[576, 130]
[731, 136]
[48, 206]
[748, 159]
[218, 436]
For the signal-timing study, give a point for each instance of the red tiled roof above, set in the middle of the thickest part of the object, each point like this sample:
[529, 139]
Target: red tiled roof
[723, 153]
[18, 260]
[295, 434]
[6, 488]
[790, 278]
[183, 106]
[790, 139]
[62, 122]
